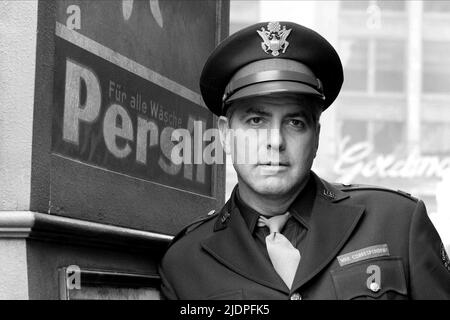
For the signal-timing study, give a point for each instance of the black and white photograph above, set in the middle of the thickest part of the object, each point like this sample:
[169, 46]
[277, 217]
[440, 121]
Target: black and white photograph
[206, 150]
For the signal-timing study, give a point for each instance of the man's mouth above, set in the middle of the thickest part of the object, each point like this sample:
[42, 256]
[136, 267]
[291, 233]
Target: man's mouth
[274, 164]
[271, 168]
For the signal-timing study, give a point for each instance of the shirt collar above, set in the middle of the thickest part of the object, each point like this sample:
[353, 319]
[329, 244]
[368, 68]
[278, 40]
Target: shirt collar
[300, 209]
[250, 215]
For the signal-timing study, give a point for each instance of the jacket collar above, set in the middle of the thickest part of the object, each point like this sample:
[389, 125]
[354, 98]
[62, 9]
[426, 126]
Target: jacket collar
[331, 224]
[233, 246]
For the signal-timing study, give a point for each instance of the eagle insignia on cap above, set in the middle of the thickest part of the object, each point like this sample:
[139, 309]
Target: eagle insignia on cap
[274, 38]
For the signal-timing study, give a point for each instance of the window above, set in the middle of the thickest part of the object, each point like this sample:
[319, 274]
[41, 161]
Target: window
[389, 5]
[384, 5]
[355, 64]
[354, 5]
[436, 6]
[435, 138]
[244, 13]
[356, 130]
[436, 67]
[390, 63]
[386, 137]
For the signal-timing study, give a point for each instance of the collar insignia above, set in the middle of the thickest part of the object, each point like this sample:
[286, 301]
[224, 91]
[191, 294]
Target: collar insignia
[274, 38]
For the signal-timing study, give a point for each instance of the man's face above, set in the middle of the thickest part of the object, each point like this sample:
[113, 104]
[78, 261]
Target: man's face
[281, 132]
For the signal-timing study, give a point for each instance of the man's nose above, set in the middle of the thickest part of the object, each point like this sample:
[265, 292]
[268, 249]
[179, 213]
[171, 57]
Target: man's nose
[276, 139]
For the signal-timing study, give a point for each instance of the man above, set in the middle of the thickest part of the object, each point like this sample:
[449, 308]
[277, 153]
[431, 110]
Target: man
[285, 233]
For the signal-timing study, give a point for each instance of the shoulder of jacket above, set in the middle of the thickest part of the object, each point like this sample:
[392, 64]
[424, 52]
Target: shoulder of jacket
[370, 188]
[193, 225]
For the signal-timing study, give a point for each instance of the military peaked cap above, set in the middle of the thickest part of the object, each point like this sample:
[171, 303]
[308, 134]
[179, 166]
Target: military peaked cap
[268, 58]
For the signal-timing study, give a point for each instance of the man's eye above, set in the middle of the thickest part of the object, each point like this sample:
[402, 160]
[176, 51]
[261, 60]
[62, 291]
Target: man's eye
[255, 120]
[296, 123]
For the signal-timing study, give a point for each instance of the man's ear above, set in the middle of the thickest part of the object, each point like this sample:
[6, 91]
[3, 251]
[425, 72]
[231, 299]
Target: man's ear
[224, 133]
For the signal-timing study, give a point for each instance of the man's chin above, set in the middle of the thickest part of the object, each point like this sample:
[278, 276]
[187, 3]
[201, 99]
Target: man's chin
[273, 188]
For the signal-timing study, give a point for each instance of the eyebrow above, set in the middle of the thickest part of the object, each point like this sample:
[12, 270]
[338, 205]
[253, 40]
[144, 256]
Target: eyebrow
[258, 112]
[302, 113]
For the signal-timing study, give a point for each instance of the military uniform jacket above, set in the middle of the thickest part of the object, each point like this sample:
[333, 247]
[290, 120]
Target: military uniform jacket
[363, 243]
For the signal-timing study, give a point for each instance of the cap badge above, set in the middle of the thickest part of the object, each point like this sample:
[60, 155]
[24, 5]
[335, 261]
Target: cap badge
[274, 38]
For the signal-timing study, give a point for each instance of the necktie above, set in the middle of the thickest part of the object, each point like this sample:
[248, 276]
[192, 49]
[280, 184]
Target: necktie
[284, 257]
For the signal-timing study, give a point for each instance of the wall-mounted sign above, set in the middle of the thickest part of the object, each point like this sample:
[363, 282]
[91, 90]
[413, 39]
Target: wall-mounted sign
[125, 77]
[109, 117]
[360, 160]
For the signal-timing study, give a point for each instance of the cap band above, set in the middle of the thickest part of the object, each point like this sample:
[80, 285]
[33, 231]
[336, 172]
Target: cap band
[272, 75]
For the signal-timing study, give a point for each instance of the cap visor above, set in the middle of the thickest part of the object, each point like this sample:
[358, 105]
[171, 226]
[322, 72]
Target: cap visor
[265, 88]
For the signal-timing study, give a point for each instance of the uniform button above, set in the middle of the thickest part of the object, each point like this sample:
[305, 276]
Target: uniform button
[296, 296]
[375, 287]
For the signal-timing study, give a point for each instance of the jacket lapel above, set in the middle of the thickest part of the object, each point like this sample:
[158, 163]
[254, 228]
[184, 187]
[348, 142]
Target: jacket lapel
[233, 246]
[331, 224]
